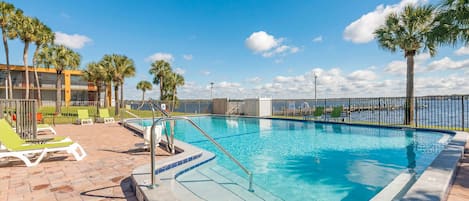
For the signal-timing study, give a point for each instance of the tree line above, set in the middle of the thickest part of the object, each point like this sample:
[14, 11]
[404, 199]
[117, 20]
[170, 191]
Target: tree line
[110, 71]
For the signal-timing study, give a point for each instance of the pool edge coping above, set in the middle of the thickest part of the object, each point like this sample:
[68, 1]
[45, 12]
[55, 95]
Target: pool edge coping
[412, 190]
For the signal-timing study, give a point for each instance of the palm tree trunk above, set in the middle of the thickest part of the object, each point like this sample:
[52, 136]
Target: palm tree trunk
[97, 97]
[161, 88]
[409, 103]
[106, 102]
[5, 44]
[58, 100]
[26, 71]
[122, 94]
[36, 77]
[98, 94]
[174, 101]
[143, 99]
[116, 98]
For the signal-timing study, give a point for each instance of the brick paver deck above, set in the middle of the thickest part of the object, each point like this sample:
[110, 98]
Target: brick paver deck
[460, 189]
[102, 175]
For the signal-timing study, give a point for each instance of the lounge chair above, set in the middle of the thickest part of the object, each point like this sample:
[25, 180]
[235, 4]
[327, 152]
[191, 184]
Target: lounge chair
[105, 117]
[146, 137]
[14, 146]
[40, 127]
[84, 118]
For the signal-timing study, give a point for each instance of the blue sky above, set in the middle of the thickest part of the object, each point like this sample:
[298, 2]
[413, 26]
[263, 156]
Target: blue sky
[251, 48]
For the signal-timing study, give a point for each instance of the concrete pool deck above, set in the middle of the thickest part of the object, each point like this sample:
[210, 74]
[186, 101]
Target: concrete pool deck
[104, 173]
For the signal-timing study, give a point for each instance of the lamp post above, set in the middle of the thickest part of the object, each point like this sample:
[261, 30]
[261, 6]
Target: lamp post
[211, 90]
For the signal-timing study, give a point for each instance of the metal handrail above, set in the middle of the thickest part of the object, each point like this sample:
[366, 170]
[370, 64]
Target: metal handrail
[152, 149]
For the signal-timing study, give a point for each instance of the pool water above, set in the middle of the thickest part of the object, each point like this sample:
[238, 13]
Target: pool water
[298, 160]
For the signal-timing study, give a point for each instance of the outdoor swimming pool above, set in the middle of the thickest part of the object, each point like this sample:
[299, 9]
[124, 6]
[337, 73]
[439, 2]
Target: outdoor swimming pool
[298, 160]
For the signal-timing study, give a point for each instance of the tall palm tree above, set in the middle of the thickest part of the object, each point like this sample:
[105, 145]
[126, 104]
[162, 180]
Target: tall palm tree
[160, 69]
[144, 86]
[61, 58]
[452, 22]
[26, 32]
[120, 67]
[174, 80]
[44, 36]
[409, 31]
[7, 13]
[95, 73]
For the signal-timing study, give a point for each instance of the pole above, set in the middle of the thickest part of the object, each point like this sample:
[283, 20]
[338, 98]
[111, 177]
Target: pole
[6, 89]
[211, 90]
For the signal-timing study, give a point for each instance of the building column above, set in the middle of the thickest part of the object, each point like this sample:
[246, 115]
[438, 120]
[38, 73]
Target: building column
[68, 91]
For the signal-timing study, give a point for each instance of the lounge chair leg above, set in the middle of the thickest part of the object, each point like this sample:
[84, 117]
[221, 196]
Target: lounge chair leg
[74, 151]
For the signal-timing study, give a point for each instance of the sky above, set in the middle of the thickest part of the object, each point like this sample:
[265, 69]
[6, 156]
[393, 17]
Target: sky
[251, 49]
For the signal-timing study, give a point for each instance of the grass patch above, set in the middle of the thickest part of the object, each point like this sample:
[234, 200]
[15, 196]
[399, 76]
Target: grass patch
[69, 114]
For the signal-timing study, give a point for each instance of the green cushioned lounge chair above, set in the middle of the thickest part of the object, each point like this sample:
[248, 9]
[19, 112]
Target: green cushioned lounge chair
[84, 118]
[14, 146]
[105, 117]
[337, 112]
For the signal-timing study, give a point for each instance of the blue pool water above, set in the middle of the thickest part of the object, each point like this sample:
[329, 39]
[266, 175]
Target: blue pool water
[316, 161]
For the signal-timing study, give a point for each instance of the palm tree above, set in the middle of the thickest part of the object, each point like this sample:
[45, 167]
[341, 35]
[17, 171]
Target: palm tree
[95, 73]
[452, 22]
[26, 32]
[174, 80]
[7, 13]
[119, 67]
[61, 58]
[160, 69]
[44, 35]
[409, 31]
[144, 86]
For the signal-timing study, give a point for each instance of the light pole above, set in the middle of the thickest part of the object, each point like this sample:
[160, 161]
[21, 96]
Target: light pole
[211, 90]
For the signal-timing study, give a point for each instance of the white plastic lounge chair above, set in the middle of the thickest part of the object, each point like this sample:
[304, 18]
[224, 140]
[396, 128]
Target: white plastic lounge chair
[44, 128]
[14, 146]
[105, 117]
[84, 118]
[147, 134]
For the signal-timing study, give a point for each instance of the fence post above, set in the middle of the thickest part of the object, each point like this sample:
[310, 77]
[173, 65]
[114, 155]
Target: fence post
[416, 112]
[325, 109]
[349, 111]
[379, 111]
[462, 113]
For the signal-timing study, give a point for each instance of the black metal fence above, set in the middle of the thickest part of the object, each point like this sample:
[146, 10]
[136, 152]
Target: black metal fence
[182, 106]
[21, 114]
[446, 112]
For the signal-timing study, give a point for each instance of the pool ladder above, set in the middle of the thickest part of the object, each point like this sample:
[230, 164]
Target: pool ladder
[205, 134]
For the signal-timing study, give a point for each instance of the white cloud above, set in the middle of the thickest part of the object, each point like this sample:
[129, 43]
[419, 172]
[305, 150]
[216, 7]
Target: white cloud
[74, 41]
[261, 41]
[361, 30]
[448, 64]
[254, 80]
[160, 56]
[462, 51]
[226, 84]
[187, 57]
[400, 66]
[362, 75]
[317, 39]
[179, 71]
[268, 46]
[206, 73]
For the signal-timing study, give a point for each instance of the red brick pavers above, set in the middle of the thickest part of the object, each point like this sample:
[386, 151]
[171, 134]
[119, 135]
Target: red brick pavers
[460, 188]
[102, 175]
